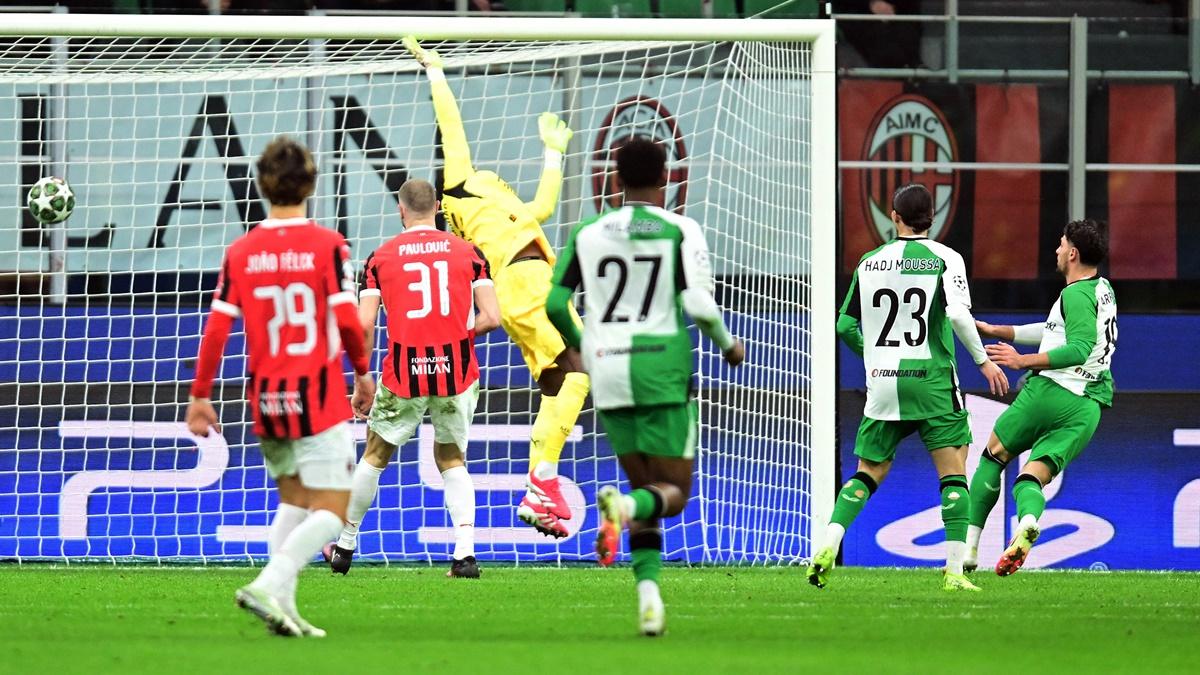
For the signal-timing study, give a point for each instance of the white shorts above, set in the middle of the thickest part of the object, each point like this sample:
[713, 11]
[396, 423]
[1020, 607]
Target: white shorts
[396, 419]
[324, 461]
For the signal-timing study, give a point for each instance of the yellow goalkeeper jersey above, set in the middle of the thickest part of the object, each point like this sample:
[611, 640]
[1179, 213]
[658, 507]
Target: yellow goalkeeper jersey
[479, 206]
[485, 211]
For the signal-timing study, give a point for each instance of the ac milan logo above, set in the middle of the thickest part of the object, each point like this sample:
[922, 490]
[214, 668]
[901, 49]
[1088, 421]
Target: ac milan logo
[645, 117]
[910, 129]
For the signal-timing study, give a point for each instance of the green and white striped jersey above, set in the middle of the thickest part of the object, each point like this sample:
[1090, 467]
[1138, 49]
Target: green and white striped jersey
[907, 294]
[1080, 337]
[639, 267]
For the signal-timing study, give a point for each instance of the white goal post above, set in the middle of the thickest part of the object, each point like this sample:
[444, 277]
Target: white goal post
[156, 121]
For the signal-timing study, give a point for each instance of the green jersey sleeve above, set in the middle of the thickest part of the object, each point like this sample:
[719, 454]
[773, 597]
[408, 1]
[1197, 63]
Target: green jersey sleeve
[1079, 316]
[565, 281]
[847, 323]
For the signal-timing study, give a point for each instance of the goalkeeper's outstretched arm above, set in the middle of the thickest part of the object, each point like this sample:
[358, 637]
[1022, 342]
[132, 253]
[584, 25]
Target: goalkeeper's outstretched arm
[555, 135]
[455, 151]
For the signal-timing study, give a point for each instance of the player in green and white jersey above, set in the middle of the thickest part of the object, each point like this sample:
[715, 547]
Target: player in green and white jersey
[906, 299]
[642, 267]
[1058, 409]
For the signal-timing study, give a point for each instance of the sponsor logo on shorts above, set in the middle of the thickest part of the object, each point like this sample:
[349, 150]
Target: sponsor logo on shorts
[898, 372]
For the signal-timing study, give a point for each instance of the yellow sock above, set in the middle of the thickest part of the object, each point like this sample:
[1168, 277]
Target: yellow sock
[543, 428]
[570, 402]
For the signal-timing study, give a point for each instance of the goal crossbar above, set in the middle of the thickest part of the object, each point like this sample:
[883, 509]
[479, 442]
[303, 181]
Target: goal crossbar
[423, 27]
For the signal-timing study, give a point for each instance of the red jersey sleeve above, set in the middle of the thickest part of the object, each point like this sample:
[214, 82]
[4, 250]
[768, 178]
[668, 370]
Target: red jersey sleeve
[226, 306]
[227, 299]
[340, 285]
[369, 283]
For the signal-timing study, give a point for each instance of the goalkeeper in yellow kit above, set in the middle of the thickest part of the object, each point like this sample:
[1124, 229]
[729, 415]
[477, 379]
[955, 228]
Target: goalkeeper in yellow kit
[484, 210]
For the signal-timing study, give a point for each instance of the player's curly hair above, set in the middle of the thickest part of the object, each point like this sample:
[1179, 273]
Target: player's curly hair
[287, 174]
[640, 163]
[914, 204]
[1090, 238]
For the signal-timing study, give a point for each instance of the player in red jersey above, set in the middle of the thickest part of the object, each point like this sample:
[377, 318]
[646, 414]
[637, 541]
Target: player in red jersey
[439, 295]
[292, 283]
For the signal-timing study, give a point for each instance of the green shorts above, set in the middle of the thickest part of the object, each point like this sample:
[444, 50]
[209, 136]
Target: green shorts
[663, 430]
[877, 439]
[1050, 420]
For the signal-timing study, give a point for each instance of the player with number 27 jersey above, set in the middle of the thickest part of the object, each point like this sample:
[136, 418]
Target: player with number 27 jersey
[292, 282]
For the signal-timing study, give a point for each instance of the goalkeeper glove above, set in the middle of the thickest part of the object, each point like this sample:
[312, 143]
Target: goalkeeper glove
[426, 57]
[554, 132]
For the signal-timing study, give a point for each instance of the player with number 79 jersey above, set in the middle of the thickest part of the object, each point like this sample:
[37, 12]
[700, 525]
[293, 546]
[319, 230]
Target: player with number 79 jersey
[292, 283]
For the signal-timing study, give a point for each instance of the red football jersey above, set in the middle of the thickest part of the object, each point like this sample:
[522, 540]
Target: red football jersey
[426, 280]
[284, 277]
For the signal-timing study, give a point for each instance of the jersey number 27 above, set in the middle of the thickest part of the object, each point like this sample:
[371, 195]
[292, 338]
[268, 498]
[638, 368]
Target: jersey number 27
[617, 266]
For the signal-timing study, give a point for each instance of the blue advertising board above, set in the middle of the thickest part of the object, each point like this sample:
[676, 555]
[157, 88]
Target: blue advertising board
[93, 477]
[1130, 501]
[88, 472]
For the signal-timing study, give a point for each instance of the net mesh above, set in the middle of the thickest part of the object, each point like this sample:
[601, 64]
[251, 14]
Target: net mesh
[158, 137]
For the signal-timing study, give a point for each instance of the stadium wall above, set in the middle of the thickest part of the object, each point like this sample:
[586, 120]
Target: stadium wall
[1006, 223]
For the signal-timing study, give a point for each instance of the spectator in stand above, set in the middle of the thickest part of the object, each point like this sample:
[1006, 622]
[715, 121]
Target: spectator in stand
[879, 44]
[404, 5]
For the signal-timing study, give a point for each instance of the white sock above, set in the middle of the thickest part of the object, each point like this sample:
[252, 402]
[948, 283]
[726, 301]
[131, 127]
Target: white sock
[647, 590]
[973, 532]
[296, 551]
[545, 470]
[287, 518]
[629, 506]
[1029, 520]
[833, 536]
[364, 487]
[460, 502]
[954, 556]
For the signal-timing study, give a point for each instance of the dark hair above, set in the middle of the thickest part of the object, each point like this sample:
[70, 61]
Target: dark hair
[287, 174]
[1090, 238]
[640, 163]
[915, 206]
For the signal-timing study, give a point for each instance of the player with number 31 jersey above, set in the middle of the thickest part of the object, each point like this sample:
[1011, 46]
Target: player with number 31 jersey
[438, 293]
[425, 279]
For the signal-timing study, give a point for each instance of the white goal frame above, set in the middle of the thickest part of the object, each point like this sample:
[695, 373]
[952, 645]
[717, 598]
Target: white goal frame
[823, 139]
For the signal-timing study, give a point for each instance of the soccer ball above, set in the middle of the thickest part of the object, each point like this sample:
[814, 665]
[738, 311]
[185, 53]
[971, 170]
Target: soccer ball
[51, 200]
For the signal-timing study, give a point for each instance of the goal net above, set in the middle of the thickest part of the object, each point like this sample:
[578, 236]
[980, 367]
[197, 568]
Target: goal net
[156, 126]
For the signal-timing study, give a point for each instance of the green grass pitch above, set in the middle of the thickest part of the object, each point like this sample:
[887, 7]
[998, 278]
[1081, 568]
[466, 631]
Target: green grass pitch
[91, 619]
